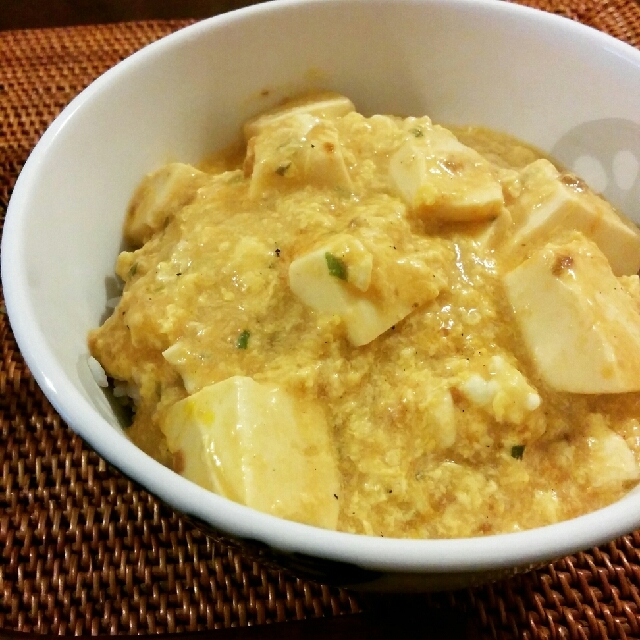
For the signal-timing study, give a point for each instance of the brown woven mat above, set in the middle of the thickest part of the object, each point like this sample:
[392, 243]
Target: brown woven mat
[83, 550]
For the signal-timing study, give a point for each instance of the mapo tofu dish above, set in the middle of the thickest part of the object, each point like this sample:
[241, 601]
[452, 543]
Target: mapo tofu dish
[381, 326]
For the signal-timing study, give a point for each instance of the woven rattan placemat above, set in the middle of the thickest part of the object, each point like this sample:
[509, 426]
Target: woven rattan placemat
[85, 551]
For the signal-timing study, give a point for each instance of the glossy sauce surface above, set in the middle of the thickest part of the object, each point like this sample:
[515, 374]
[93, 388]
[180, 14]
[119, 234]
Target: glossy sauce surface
[418, 453]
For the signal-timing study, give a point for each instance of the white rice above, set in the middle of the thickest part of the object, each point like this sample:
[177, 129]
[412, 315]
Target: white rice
[97, 372]
[125, 392]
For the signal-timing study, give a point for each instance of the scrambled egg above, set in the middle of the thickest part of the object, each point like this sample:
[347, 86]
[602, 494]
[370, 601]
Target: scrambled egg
[375, 325]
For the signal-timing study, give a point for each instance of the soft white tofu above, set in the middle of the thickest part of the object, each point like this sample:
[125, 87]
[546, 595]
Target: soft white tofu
[443, 416]
[336, 278]
[253, 443]
[323, 272]
[578, 321]
[158, 197]
[503, 391]
[178, 356]
[439, 177]
[632, 286]
[325, 104]
[550, 201]
[608, 455]
[302, 149]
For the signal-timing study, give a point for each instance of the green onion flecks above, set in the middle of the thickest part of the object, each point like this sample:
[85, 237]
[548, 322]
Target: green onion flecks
[243, 339]
[337, 268]
[517, 451]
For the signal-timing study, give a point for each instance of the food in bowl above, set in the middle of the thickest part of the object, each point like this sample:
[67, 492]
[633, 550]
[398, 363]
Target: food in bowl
[377, 326]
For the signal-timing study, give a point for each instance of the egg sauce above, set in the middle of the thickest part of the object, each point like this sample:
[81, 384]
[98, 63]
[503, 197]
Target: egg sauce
[420, 452]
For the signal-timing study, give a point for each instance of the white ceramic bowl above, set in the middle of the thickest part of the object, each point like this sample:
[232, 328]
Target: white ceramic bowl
[566, 88]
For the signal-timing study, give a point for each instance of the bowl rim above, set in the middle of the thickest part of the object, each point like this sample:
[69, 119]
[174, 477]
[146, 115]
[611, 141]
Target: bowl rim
[384, 554]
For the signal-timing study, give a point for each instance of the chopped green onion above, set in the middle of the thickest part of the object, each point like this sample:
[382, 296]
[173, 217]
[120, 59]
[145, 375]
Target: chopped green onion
[282, 169]
[337, 267]
[517, 451]
[133, 269]
[243, 339]
[417, 132]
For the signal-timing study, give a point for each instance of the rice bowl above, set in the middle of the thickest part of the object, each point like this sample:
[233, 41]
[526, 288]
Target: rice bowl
[64, 222]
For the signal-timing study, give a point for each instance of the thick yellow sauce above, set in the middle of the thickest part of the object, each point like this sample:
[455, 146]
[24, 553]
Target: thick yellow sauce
[217, 274]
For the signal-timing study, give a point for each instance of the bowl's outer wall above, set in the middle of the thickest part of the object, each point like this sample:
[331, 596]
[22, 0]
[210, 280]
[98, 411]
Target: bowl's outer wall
[537, 76]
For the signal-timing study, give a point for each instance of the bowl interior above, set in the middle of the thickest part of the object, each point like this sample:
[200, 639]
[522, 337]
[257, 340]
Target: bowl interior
[563, 87]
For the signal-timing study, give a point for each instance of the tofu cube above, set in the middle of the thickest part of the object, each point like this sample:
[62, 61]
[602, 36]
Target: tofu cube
[159, 197]
[611, 460]
[255, 444]
[301, 150]
[325, 105]
[338, 278]
[551, 201]
[578, 321]
[439, 177]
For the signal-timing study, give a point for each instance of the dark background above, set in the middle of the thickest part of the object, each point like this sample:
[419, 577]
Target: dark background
[27, 14]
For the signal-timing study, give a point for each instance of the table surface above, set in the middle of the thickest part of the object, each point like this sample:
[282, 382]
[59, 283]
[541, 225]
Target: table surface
[30, 14]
